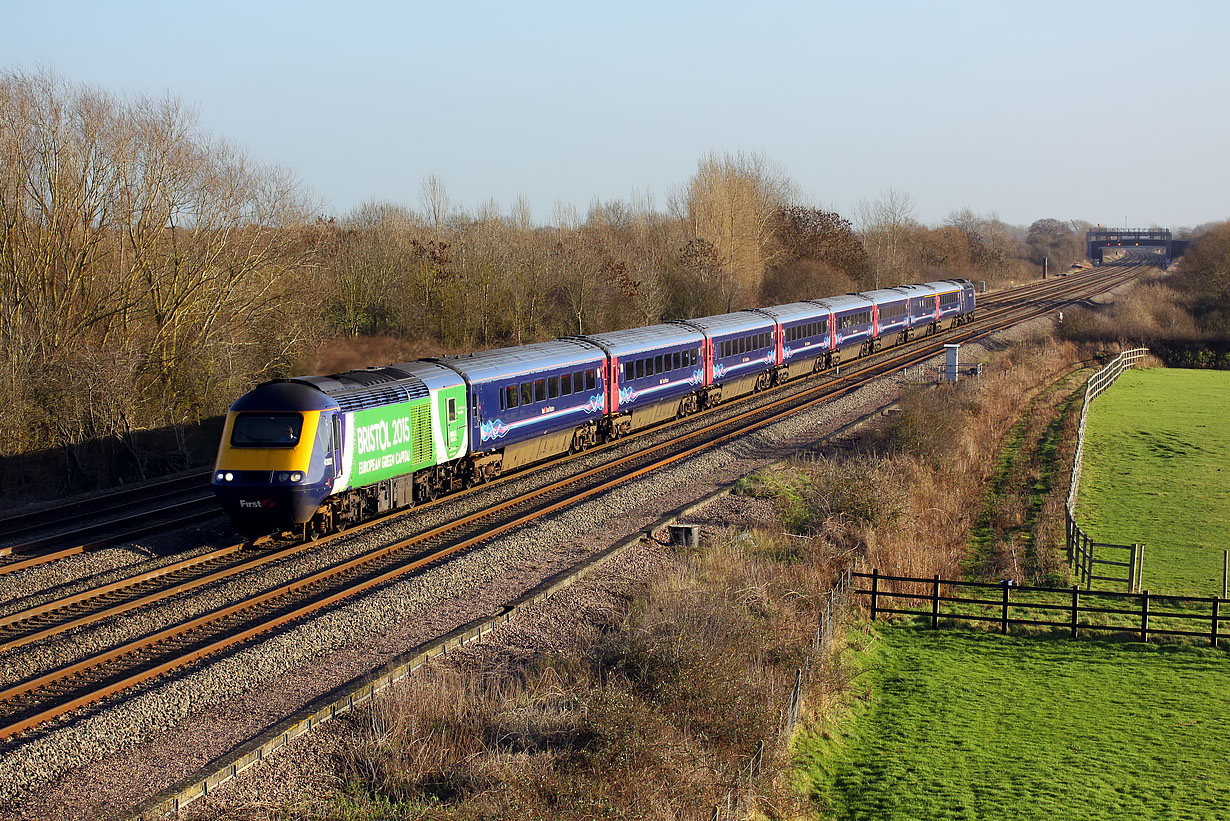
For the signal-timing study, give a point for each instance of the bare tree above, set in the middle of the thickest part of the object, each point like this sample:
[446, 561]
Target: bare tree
[886, 224]
[730, 203]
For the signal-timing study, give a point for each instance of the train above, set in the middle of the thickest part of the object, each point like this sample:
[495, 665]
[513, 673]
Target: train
[312, 455]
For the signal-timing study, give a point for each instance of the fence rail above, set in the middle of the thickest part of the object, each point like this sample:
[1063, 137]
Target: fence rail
[1006, 604]
[1080, 545]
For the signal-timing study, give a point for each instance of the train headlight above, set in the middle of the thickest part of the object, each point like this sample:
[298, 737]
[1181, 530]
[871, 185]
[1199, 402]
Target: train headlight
[229, 476]
[219, 477]
[295, 477]
[282, 477]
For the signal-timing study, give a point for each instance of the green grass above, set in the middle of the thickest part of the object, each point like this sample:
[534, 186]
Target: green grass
[967, 725]
[1157, 471]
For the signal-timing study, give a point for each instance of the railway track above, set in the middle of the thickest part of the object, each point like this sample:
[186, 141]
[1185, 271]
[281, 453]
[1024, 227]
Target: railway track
[39, 537]
[31, 703]
[116, 517]
[48, 620]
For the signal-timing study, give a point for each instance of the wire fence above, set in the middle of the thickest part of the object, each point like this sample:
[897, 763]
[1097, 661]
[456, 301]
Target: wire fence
[736, 803]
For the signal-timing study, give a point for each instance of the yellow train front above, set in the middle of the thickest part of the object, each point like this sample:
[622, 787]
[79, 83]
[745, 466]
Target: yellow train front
[276, 462]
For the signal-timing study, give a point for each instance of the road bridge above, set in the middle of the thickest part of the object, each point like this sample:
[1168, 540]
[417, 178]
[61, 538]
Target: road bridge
[1097, 240]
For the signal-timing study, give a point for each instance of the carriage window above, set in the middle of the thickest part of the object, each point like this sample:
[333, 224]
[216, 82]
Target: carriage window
[565, 384]
[510, 394]
[540, 390]
[452, 411]
[577, 381]
[678, 359]
[501, 401]
[527, 393]
[640, 368]
[591, 380]
[657, 364]
[552, 387]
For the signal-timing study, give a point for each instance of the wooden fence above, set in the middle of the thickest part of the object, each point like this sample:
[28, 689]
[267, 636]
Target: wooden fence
[1072, 610]
[1081, 547]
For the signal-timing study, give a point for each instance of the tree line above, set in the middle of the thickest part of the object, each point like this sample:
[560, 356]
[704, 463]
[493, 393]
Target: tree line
[150, 273]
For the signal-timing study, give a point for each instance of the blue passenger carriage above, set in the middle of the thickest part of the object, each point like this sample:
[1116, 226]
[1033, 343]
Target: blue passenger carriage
[531, 402]
[657, 373]
[740, 353]
[954, 301]
[853, 323]
[891, 313]
[804, 338]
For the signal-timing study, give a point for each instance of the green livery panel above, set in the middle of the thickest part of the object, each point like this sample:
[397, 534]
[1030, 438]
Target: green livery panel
[390, 441]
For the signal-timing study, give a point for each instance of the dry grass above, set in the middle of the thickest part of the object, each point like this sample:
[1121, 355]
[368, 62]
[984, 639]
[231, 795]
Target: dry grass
[909, 498]
[650, 706]
[649, 713]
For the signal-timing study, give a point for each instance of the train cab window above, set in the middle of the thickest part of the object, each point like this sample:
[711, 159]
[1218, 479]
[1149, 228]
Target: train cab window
[510, 398]
[266, 430]
[452, 411]
[591, 380]
[527, 393]
[552, 387]
[565, 384]
[540, 390]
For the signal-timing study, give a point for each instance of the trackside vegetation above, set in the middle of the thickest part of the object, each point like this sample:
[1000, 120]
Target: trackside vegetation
[971, 725]
[1157, 471]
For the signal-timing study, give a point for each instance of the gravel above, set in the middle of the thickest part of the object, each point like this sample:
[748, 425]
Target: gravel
[168, 730]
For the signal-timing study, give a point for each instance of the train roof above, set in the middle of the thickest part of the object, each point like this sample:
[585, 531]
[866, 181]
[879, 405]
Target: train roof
[946, 286]
[845, 302]
[915, 290]
[722, 324]
[637, 340]
[285, 395]
[434, 375]
[368, 387]
[884, 295]
[795, 311]
[503, 363]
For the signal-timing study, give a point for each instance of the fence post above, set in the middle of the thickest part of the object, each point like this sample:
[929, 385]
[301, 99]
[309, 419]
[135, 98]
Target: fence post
[1213, 636]
[935, 603]
[1140, 565]
[1144, 616]
[1225, 572]
[1076, 598]
[1003, 621]
[875, 590]
[1089, 561]
[1132, 569]
[1067, 526]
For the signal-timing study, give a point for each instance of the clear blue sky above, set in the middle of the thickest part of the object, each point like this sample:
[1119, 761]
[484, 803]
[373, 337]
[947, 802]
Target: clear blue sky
[1091, 110]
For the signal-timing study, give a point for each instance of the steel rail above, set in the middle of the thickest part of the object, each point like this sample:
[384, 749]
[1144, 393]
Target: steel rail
[42, 613]
[786, 405]
[23, 521]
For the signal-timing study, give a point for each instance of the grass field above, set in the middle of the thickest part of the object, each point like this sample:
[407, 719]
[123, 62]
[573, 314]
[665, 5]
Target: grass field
[1157, 471]
[970, 725]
